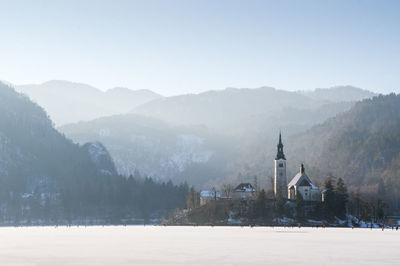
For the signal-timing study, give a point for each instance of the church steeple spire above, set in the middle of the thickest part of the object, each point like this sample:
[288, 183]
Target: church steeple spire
[302, 169]
[280, 154]
[280, 181]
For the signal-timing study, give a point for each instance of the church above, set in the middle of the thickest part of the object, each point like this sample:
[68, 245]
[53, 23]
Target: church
[300, 183]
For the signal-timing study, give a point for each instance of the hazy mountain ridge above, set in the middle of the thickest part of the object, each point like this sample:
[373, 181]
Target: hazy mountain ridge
[151, 146]
[215, 107]
[291, 119]
[180, 137]
[83, 102]
[219, 109]
[164, 150]
[339, 94]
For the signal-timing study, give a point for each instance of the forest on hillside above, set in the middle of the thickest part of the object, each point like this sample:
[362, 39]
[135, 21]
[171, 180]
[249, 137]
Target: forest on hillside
[362, 146]
[47, 179]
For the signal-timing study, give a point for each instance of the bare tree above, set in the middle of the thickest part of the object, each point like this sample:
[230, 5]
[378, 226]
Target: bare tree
[214, 191]
[227, 190]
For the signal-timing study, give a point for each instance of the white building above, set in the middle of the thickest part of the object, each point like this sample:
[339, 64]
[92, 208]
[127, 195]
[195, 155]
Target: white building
[244, 191]
[302, 184]
[208, 195]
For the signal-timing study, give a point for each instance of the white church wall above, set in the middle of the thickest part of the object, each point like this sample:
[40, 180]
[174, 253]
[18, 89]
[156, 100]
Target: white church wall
[280, 179]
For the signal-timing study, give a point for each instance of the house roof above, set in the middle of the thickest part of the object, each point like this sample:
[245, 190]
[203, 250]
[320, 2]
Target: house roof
[305, 183]
[298, 180]
[245, 187]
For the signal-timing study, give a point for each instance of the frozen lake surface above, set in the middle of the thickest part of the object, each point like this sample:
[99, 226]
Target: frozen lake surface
[139, 245]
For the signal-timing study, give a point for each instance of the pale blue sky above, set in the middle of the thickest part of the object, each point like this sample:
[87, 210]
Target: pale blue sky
[175, 47]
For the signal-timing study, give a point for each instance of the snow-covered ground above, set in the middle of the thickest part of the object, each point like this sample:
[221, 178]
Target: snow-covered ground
[139, 245]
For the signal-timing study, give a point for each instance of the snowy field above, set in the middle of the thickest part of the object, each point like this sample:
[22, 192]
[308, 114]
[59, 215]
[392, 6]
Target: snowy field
[156, 245]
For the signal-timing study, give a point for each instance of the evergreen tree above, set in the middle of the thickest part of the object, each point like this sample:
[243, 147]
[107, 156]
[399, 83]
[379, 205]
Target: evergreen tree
[260, 207]
[380, 211]
[341, 199]
[279, 204]
[192, 199]
[299, 205]
[329, 199]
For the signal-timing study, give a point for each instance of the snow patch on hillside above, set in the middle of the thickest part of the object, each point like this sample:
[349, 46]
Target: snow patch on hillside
[104, 132]
[160, 159]
[100, 158]
[189, 150]
[97, 152]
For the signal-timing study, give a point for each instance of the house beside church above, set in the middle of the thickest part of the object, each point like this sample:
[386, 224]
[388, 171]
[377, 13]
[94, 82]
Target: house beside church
[244, 191]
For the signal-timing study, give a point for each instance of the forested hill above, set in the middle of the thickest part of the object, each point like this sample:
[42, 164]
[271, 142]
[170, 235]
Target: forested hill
[361, 145]
[158, 149]
[43, 175]
[30, 147]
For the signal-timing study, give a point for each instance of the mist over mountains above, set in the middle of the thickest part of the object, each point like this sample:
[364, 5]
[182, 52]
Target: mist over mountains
[68, 102]
[339, 94]
[219, 109]
[156, 148]
[205, 139]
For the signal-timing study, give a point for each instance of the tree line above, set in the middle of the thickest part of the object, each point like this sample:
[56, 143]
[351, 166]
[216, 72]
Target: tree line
[337, 204]
[103, 200]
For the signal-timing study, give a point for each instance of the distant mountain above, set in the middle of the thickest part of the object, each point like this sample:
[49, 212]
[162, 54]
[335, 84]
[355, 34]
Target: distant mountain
[292, 120]
[197, 154]
[339, 94]
[208, 138]
[83, 101]
[217, 108]
[227, 108]
[157, 149]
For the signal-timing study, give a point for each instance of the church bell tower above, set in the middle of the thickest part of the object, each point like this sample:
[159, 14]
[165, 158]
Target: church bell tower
[280, 181]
